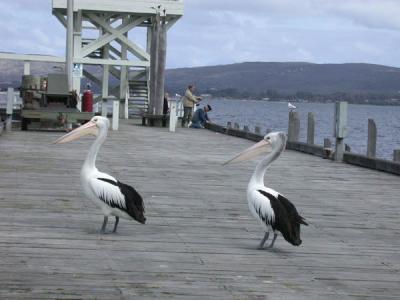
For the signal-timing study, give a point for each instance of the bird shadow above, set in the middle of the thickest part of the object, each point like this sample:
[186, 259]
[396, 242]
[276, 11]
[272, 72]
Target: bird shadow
[273, 250]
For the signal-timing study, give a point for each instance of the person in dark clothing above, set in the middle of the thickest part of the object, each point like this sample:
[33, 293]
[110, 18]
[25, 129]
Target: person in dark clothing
[165, 110]
[200, 117]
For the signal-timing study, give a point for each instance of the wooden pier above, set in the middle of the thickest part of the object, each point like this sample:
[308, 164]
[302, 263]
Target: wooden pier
[200, 240]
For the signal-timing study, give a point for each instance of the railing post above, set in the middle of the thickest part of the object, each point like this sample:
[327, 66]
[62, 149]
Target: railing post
[236, 126]
[340, 129]
[10, 107]
[372, 133]
[294, 126]
[310, 128]
[246, 128]
[396, 155]
[172, 115]
[104, 108]
[257, 130]
[115, 114]
[229, 125]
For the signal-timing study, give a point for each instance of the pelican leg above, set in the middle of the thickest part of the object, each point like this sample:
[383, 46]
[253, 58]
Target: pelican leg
[265, 238]
[116, 224]
[273, 240]
[103, 228]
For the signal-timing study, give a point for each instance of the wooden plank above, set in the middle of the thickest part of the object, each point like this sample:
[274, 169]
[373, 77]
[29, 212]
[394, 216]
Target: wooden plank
[200, 240]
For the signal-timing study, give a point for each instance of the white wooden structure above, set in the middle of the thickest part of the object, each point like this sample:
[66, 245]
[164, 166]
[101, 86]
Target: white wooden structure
[101, 37]
[98, 33]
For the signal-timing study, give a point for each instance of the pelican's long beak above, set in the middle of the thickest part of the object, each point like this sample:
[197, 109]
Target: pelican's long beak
[85, 129]
[255, 150]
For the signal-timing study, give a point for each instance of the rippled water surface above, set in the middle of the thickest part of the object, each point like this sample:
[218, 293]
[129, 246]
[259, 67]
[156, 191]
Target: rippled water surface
[274, 115]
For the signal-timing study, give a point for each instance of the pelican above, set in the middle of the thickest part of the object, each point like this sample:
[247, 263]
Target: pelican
[274, 212]
[291, 106]
[113, 197]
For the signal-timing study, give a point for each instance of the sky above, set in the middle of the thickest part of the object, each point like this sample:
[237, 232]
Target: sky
[215, 32]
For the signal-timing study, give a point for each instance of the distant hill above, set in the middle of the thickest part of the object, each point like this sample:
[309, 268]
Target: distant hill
[274, 80]
[354, 82]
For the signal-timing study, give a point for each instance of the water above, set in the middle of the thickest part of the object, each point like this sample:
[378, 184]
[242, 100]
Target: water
[274, 115]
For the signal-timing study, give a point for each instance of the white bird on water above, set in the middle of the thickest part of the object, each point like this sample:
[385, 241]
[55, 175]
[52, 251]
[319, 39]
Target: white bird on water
[113, 197]
[274, 212]
[291, 106]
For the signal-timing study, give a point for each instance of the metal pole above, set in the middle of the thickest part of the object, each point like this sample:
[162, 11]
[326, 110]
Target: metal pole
[70, 42]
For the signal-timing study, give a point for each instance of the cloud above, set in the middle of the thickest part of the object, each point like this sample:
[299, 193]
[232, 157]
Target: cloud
[221, 32]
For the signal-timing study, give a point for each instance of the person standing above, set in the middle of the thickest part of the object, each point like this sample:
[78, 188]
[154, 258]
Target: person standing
[200, 117]
[165, 110]
[189, 101]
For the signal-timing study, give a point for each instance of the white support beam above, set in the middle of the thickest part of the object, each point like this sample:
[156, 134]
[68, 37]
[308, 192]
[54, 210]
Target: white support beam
[115, 51]
[171, 22]
[97, 61]
[118, 34]
[70, 43]
[125, 6]
[138, 75]
[27, 68]
[123, 80]
[112, 34]
[32, 57]
[115, 114]
[115, 72]
[60, 17]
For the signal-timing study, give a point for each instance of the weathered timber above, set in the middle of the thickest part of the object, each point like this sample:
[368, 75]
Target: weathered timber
[162, 53]
[200, 239]
[294, 126]
[372, 163]
[307, 148]
[340, 129]
[396, 155]
[372, 134]
[310, 128]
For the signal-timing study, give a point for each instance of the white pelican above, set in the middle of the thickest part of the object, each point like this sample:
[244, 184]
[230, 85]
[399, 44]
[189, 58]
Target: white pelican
[291, 106]
[112, 196]
[274, 211]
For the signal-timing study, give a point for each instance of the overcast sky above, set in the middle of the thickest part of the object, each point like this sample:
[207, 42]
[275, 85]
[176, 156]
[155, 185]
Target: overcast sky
[221, 32]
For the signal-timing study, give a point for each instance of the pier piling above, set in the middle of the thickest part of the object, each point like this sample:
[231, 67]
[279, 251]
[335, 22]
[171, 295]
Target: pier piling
[310, 128]
[396, 155]
[372, 134]
[340, 129]
[294, 126]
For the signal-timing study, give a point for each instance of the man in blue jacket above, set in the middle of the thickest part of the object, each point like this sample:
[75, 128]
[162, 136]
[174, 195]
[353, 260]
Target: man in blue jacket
[200, 117]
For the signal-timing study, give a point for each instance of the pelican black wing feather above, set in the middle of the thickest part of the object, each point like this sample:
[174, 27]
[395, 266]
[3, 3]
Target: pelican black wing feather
[133, 201]
[287, 219]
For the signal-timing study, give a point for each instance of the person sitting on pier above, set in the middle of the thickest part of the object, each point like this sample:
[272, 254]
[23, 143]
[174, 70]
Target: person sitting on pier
[189, 100]
[200, 117]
